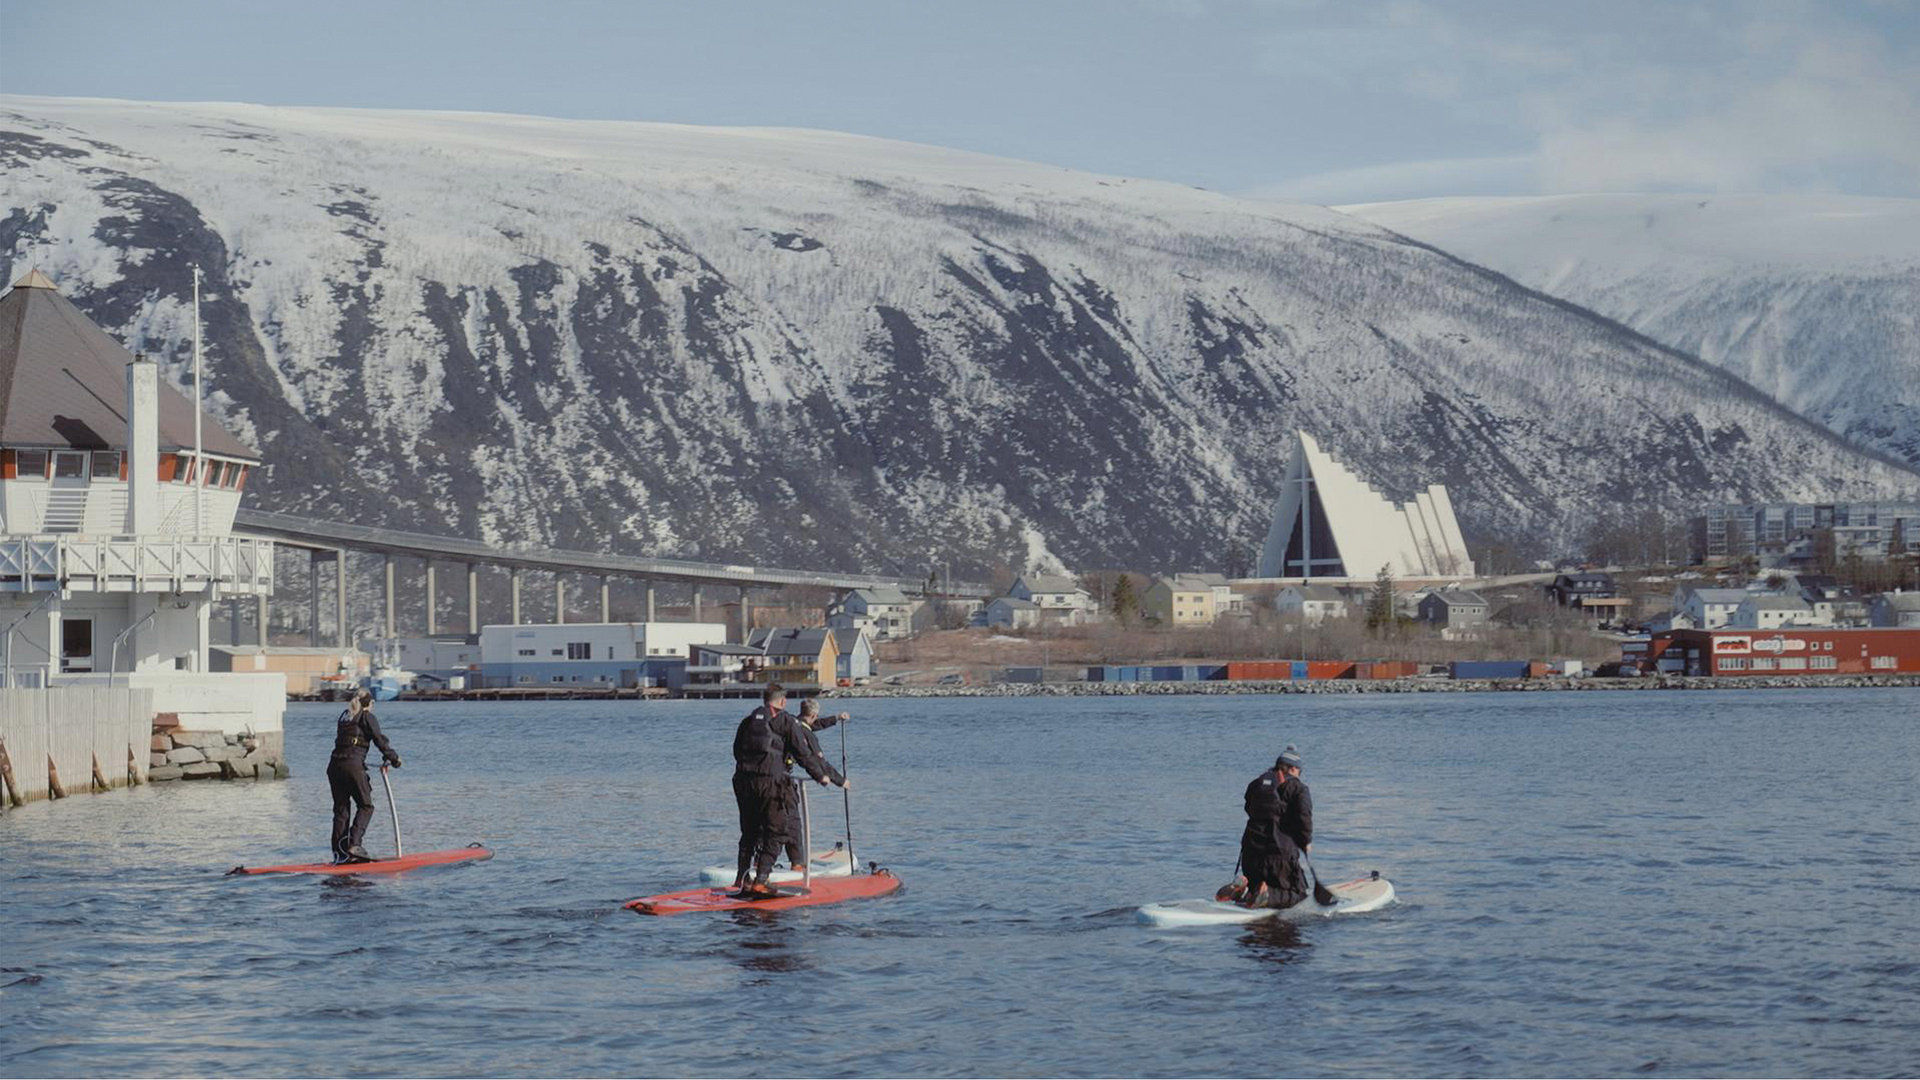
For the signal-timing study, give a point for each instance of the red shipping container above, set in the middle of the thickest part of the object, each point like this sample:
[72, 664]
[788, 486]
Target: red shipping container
[1329, 669]
[1537, 670]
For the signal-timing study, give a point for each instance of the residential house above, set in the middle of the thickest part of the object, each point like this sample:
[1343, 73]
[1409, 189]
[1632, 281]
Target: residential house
[798, 658]
[1899, 609]
[1059, 597]
[1181, 600]
[724, 663]
[1315, 603]
[1454, 609]
[1012, 612]
[1704, 608]
[1773, 612]
[856, 654]
[1568, 590]
[884, 612]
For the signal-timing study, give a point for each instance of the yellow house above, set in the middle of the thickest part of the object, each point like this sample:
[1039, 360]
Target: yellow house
[797, 657]
[1180, 600]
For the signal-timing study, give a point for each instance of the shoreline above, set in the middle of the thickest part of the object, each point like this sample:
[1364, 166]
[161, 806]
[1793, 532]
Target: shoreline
[1544, 684]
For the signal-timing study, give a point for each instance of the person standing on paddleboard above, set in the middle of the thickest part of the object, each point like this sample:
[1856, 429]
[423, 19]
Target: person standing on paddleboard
[810, 722]
[764, 742]
[356, 729]
[1279, 828]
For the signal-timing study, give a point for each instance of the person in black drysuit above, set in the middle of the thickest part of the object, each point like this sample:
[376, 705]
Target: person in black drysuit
[763, 743]
[810, 722]
[1279, 829]
[356, 729]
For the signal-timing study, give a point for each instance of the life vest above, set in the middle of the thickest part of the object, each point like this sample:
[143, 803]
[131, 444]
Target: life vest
[349, 734]
[758, 749]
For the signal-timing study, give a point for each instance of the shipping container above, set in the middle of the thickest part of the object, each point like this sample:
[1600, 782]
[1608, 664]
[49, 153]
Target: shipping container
[1259, 669]
[1538, 670]
[1329, 669]
[1208, 672]
[1488, 669]
[1361, 670]
[1299, 669]
[1395, 669]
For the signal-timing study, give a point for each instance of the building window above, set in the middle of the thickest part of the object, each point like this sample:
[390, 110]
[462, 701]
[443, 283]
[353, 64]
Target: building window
[106, 465]
[1793, 663]
[1884, 663]
[1825, 663]
[559, 678]
[1733, 663]
[526, 678]
[558, 652]
[69, 466]
[527, 652]
[1763, 663]
[580, 650]
[30, 464]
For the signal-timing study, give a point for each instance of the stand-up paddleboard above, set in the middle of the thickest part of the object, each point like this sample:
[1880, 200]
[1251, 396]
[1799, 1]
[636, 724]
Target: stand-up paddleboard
[826, 864]
[1350, 898]
[471, 853]
[824, 891]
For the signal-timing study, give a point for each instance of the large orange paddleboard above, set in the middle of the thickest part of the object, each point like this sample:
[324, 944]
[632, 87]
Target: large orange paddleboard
[469, 853]
[825, 890]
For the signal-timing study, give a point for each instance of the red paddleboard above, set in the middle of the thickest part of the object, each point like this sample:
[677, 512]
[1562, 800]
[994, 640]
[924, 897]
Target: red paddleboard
[378, 866]
[826, 890]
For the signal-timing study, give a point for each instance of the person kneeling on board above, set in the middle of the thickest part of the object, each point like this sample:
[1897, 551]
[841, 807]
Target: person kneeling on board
[1279, 829]
[810, 722]
[763, 743]
[356, 729]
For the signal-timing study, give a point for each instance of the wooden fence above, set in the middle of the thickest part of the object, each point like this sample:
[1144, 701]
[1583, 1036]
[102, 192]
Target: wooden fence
[72, 739]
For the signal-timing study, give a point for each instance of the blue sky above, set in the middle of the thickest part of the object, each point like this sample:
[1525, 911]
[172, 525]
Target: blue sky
[1294, 99]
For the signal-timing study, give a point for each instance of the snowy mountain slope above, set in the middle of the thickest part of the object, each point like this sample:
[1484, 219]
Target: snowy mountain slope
[1815, 300]
[802, 347]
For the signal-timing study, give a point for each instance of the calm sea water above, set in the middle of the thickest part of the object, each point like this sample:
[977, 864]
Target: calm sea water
[1590, 883]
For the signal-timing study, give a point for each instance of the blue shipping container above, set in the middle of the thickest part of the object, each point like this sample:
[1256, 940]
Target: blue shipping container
[1208, 672]
[1299, 669]
[1168, 673]
[1489, 669]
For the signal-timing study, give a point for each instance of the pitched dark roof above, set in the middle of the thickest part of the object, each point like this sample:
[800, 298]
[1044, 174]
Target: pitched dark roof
[781, 641]
[847, 637]
[63, 381]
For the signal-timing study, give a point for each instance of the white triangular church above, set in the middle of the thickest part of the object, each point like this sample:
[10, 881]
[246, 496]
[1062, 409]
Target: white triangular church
[1328, 524]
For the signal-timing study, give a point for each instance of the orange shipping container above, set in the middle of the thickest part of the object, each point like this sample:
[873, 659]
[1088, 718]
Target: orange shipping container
[1259, 669]
[1329, 669]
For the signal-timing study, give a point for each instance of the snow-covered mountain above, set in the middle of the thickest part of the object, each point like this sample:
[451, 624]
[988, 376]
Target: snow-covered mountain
[812, 348]
[1815, 300]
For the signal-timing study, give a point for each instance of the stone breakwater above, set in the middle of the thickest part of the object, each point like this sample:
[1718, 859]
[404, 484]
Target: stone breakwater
[1379, 686]
[210, 755]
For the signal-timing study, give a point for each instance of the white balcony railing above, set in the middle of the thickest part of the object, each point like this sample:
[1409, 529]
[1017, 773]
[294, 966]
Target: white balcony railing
[130, 564]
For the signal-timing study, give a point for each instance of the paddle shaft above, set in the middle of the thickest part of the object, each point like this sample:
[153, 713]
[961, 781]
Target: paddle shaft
[1321, 894]
[846, 801]
[806, 840]
[394, 811]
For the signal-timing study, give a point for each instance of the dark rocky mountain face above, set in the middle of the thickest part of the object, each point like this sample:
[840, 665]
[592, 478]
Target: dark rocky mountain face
[806, 349]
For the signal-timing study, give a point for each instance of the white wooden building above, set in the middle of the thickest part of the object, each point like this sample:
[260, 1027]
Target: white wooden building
[116, 538]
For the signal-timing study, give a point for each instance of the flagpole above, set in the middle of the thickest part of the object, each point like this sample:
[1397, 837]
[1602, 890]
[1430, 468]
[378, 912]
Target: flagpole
[199, 459]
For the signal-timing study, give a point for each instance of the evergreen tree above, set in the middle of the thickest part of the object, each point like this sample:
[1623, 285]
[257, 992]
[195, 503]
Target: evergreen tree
[1380, 611]
[1125, 605]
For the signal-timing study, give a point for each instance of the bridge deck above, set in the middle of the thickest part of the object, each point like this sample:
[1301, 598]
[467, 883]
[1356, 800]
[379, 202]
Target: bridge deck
[309, 532]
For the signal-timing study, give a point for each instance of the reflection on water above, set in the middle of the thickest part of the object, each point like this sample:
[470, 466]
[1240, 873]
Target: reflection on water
[1592, 883]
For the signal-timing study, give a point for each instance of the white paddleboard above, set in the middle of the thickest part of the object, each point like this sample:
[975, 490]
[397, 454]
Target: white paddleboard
[831, 863]
[1350, 898]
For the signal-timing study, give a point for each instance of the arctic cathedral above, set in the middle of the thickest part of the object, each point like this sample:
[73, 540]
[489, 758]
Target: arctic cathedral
[1329, 525]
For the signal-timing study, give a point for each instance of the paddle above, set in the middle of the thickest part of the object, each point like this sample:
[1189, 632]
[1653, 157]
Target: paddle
[806, 841]
[1321, 894]
[846, 802]
[398, 851]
